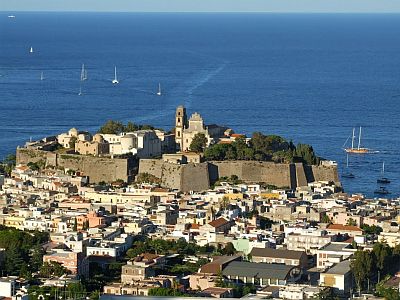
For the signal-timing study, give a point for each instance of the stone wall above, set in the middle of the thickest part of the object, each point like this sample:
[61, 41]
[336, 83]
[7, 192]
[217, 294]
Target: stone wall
[188, 177]
[195, 177]
[97, 168]
[253, 171]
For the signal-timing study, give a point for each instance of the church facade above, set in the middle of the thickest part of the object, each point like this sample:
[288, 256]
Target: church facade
[186, 129]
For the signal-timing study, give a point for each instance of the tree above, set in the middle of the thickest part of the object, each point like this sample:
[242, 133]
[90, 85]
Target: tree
[229, 249]
[9, 163]
[53, 268]
[14, 260]
[112, 127]
[325, 219]
[361, 266]
[75, 226]
[130, 127]
[219, 282]
[382, 252]
[72, 142]
[36, 260]
[198, 143]
[351, 222]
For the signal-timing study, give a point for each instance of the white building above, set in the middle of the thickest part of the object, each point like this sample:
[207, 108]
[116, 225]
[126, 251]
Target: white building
[143, 143]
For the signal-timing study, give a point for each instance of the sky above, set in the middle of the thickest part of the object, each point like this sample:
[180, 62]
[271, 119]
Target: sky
[292, 6]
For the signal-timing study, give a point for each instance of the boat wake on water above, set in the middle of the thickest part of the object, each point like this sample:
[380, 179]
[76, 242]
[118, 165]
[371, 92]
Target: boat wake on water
[202, 79]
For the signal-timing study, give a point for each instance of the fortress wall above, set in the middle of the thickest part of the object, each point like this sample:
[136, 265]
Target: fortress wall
[301, 179]
[171, 176]
[252, 171]
[97, 168]
[151, 166]
[195, 177]
[24, 156]
[188, 177]
[325, 173]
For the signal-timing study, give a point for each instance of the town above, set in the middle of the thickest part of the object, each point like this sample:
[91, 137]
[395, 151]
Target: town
[198, 211]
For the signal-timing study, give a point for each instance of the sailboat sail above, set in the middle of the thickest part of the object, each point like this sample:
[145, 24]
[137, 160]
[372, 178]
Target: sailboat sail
[115, 80]
[159, 89]
[83, 73]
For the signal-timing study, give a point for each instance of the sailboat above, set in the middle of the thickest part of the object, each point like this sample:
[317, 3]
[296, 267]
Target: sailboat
[83, 73]
[358, 149]
[115, 80]
[159, 89]
[41, 76]
[31, 50]
[82, 78]
[347, 174]
[383, 179]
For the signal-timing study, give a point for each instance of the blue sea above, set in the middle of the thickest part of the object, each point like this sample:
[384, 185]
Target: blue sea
[308, 77]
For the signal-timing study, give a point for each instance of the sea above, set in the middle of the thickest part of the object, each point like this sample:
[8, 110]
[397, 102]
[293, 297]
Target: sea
[310, 78]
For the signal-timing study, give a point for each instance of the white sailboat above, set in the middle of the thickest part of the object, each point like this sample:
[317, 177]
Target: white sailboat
[383, 179]
[41, 76]
[31, 50]
[115, 80]
[83, 73]
[159, 90]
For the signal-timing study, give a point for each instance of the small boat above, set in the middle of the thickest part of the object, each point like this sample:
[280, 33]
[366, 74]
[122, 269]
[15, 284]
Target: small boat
[115, 80]
[358, 149]
[159, 89]
[382, 191]
[11, 16]
[41, 76]
[347, 174]
[383, 179]
[31, 50]
[80, 90]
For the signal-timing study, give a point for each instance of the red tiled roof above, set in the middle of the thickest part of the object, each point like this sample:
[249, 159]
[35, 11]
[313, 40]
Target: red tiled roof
[343, 227]
[194, 226]
[218, 222]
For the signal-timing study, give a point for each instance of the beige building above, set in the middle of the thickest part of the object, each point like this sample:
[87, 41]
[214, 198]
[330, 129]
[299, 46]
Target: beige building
[279, 256]
[65, 139]
[98, 146]
[339, 277]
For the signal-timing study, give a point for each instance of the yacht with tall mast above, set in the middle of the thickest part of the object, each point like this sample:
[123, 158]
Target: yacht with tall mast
[31, 50]
[115, 80]
[358, 149]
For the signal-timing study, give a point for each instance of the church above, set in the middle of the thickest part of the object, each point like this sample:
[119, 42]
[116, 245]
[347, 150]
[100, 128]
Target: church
[186, 129]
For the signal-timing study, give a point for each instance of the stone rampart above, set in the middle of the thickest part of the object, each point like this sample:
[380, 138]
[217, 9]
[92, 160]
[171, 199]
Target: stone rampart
[97, 168]
[187, 177]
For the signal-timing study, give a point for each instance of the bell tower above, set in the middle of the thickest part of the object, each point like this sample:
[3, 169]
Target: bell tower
[180, 124]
